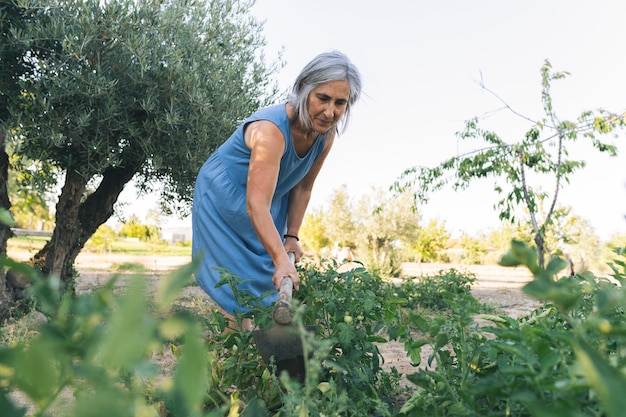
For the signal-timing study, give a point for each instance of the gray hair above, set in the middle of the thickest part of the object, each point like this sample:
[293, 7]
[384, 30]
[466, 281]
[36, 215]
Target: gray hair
[326, 67]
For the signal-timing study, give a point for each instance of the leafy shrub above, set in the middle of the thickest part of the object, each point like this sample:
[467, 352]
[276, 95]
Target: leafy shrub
[565, 359]
[439, 291]
[129, 267]
[97, 347]
[353, 312]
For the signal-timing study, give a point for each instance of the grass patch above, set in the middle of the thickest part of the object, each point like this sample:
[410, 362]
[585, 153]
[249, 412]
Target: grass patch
[32, 244]
[128, 267]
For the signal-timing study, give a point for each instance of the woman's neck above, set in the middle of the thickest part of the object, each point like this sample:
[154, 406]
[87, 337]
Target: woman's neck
[298, 131]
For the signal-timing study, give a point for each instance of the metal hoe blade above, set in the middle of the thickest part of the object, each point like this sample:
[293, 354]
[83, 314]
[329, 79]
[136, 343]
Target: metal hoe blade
[282, 343]
[282, 346]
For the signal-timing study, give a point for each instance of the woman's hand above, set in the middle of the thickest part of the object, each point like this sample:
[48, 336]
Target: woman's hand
[292, 245]
[283, 269]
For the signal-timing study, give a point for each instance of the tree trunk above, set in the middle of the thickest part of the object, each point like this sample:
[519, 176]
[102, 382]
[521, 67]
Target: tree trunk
[7, 291]
[541, 249]
[78, 220]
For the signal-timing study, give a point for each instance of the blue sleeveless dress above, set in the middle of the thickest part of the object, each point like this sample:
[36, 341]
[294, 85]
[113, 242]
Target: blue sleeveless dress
[222, 231]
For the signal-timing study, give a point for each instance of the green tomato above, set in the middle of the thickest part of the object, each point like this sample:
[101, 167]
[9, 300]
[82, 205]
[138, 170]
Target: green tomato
[323, 387]
[605, 327]
[347, 319]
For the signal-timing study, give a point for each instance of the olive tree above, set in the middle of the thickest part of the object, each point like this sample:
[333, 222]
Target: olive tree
[387, 228]
[519, 165]
[313, 232]
[119, 90]
[340, 221]
[12, 67]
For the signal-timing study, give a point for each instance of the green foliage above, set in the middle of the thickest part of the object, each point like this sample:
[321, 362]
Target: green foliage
[99, 93]
[117, 246]
[474, 249]
[430, 241]
[11, 19]
[520, 166]
[313, 232]
[103, 238]
[565, 358]
[353, 312]
[387, 227]
[29, 205]
[128, 267]
[339, 221]
[135, 229]
[106, 91]
[378, 229]
[6, 218]
[98, 346]
[440, 292]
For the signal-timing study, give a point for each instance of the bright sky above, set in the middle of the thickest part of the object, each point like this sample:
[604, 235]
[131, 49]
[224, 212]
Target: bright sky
[420, 62]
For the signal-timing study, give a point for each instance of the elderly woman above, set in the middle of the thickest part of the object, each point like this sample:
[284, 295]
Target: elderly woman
[251, 194]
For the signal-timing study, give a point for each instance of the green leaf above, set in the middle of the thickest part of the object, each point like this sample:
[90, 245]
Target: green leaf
[423, 379]
[540, 408]
[606, 380]
[255, 408]
[37, 373]
[516, 350]
[6, 218]
[555, 266]
[414, 350]
[191, 376]
[419, 321]
[171, 285]
[412, 403]
[130, 329]
[105, 401]
[520, 254]
[458, 409]
[565, 292]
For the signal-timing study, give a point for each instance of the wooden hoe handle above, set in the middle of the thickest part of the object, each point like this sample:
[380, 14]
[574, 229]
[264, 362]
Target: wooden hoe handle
[282, 313]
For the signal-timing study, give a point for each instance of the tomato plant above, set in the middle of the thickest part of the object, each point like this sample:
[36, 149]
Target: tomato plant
[565, 358]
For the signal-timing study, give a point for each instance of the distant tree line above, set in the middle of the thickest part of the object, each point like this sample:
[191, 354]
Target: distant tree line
[383, 230]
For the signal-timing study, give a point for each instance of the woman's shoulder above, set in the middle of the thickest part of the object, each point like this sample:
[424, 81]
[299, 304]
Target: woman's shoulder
[274, 112]
[276, 115]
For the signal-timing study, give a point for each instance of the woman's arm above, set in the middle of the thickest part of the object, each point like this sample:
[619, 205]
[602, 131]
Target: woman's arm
[267, 145]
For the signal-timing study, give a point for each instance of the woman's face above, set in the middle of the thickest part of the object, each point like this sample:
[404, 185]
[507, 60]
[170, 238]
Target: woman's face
[327, 103]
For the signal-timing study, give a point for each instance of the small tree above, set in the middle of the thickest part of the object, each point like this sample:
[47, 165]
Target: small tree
[474, 249]
[313, 232]
[385, 227]
[103, 238]
[430, 241]
[543, 152]
[340, 220]
[134, 228]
